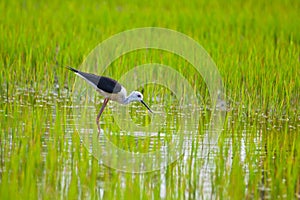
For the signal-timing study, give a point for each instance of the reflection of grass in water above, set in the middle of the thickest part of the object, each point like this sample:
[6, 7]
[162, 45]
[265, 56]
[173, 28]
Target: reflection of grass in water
[254, 44]
[143, 142]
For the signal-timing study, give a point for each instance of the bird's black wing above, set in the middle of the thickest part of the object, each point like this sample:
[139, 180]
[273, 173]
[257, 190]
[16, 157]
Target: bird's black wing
[109, 85]
[101, 82]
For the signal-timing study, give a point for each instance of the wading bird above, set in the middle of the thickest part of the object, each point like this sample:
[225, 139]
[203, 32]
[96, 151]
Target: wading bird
[111, 90]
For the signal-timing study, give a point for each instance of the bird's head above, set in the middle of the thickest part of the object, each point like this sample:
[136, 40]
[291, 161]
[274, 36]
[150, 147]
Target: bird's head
[137, 96]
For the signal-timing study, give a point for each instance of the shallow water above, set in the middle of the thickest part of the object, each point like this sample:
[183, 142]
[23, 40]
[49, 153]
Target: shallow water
[249, 151]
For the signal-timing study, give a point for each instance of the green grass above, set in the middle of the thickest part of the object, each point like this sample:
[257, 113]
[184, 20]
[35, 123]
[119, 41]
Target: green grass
[255, 45]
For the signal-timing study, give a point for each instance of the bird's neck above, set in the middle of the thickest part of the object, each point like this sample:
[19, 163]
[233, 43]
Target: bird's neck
[128, 99]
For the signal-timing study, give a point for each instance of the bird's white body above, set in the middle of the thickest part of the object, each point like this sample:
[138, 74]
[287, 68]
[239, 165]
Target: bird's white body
[118, 97]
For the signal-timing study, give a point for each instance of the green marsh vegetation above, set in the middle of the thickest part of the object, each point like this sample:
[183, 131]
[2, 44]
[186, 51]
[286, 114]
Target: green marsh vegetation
[256, 48]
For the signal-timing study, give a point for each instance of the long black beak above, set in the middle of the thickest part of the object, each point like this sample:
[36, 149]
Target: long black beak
[146, 106]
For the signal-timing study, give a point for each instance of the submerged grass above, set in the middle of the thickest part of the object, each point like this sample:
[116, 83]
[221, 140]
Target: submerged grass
[254, 44]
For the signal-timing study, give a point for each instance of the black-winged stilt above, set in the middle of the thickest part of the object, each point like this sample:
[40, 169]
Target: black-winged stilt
[110, 89]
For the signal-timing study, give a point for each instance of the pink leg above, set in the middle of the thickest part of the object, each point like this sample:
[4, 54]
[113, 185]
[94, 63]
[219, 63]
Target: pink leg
[100, 112]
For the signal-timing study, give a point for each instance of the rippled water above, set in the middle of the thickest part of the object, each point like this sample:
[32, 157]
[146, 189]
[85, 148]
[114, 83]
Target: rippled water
[198, 166]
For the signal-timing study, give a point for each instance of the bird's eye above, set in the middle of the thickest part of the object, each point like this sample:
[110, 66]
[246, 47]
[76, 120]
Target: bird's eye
[139, 96]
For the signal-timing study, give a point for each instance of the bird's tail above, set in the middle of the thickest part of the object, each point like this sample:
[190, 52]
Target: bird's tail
[72, 69]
